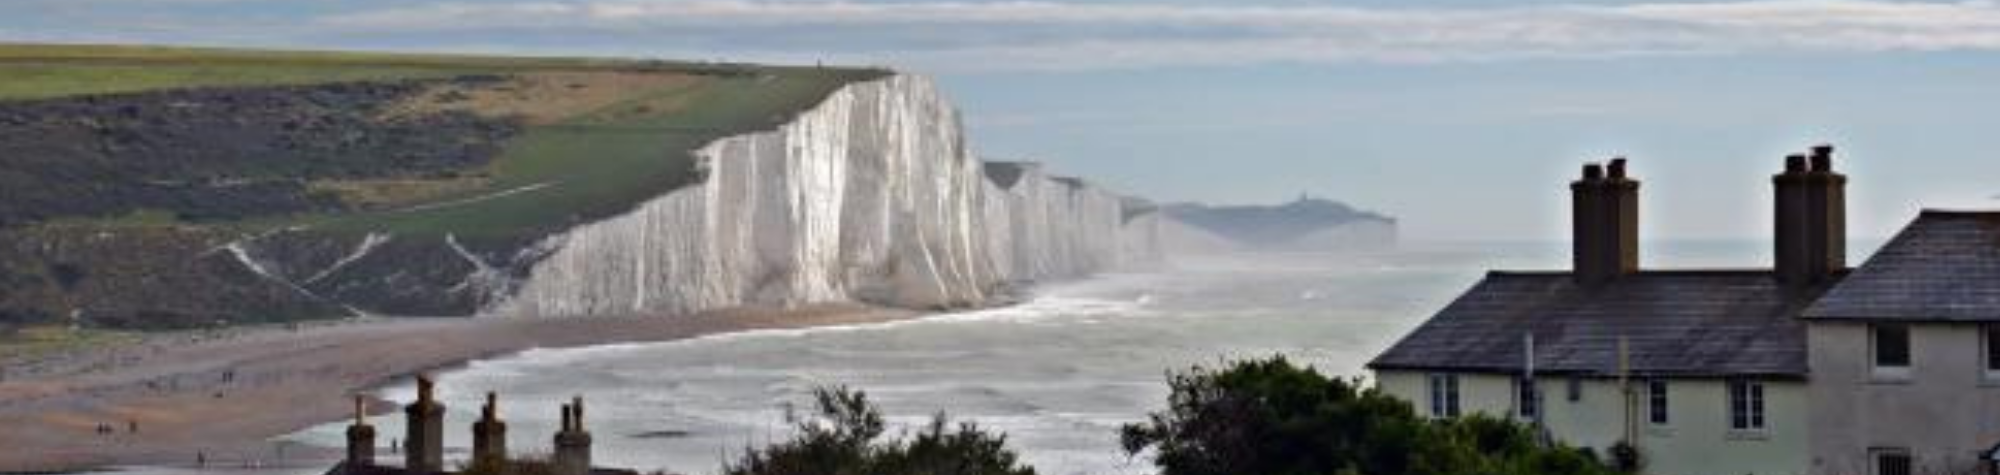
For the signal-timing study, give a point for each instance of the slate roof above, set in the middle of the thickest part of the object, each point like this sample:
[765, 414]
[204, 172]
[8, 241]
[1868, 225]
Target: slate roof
[1944, 266]
[1678, 324]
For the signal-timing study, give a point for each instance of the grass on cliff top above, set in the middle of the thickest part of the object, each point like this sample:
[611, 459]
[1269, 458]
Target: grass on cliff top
[604, 163]
[586, 167]
[38, 71]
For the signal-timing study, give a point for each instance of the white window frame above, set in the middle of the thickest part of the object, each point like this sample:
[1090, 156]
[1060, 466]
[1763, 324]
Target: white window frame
[1527, 398]
[1891, 373]
[1756, 412]
[1442, 390]
[1664, 403]
[1987, 349]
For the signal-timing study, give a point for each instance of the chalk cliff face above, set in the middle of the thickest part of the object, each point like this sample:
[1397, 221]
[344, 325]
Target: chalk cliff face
[871, 196]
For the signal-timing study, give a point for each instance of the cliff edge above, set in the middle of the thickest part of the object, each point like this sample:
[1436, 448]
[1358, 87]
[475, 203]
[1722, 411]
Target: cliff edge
[272, 186]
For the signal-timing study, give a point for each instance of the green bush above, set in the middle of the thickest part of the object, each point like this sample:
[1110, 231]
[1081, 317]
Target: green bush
[1269, 417]
[846, 439]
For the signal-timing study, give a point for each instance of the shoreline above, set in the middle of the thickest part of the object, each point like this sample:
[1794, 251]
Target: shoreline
[226, 397]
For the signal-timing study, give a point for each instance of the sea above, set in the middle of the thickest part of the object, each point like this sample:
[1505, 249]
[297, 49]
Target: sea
[1058, 373]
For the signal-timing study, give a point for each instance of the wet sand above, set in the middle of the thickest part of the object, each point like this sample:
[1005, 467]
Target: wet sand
[224, 395]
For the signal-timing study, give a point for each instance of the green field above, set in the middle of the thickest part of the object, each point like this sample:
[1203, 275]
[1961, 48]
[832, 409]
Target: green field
[581, 168]
[48, 71]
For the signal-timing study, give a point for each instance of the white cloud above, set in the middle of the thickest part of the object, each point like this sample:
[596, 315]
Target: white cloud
[1052, 35]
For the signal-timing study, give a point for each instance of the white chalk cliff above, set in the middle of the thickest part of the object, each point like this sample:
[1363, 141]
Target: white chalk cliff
[871, 196]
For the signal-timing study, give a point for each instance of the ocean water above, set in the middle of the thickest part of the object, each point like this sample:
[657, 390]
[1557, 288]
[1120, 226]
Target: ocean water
[1059, 373]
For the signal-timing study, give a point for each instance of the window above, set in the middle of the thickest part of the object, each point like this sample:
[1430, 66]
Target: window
[1891, 343]
[1991, 336]
[1527, 398]
[1575, 389]
[1892, 462]
[1746, 405]
[1444, 395]
[1656, 402]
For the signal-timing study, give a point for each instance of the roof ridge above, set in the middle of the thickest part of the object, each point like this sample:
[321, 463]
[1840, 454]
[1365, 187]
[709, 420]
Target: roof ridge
[1957, 212]
[1689, 271]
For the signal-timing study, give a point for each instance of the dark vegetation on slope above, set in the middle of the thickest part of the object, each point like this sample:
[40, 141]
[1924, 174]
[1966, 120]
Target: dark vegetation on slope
[221, 154]
[137, 278]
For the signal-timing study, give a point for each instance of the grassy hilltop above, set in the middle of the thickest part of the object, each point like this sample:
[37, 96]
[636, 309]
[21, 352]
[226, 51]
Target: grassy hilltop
[591, 136]
[132, 177]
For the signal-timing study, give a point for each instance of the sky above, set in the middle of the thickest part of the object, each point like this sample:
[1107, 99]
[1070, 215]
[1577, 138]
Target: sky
[1463, 118]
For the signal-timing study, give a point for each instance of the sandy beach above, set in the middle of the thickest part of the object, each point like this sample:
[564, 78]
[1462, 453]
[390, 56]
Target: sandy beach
[225, 394]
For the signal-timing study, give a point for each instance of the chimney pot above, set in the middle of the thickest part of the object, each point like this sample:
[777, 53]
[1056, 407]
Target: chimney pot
[489, 434]
[424, 387]
[1822, 158]
[360, 438]
[1810, 238]
[423, 440]
[1605, 225]
[1795, 163]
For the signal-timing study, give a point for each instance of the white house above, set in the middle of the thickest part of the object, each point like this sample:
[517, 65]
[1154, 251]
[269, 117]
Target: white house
[1704, 371]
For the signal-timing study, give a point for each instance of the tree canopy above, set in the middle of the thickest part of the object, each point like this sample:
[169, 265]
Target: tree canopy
[1270, 417]
[846, 438]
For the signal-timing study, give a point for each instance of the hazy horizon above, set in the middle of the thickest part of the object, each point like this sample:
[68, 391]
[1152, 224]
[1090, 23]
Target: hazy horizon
[1461, 118]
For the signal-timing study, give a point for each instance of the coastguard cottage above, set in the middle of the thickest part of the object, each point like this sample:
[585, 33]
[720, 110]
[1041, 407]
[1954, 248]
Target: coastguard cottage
[1704, 371]
[1803, 367]
[1905, 354]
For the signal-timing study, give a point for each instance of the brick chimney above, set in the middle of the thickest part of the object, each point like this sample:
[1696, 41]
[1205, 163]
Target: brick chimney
[1604, 223]
[489, 435]
[360, 438]
[1810, 225]
[423, 441]
[572, 455]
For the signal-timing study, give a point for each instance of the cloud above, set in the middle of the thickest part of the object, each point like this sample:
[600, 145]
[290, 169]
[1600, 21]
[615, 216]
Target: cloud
[1049, 35]
[1032, 34]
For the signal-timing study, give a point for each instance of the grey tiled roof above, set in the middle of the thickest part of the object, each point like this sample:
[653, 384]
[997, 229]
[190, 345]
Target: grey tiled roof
[1945, 266]
[1677, 323]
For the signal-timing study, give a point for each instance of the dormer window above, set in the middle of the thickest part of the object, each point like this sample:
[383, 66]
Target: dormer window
[1890, 344]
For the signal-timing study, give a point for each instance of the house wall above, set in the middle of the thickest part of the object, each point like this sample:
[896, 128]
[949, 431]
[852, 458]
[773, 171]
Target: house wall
[1696, 441]
[1945, 412]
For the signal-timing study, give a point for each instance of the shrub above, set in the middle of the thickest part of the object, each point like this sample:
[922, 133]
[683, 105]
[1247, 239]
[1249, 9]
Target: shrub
[1626, 458]
[846, 439]
[1269, 417]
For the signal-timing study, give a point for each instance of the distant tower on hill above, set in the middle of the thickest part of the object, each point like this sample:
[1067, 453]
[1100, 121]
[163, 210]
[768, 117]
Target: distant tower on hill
[423, 442]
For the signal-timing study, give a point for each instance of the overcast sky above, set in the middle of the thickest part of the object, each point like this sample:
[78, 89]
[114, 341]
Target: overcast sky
[1463, 117]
